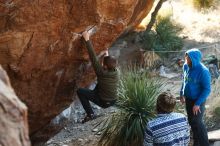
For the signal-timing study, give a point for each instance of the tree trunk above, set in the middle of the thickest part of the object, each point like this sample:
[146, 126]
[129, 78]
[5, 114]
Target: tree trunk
[154, 15]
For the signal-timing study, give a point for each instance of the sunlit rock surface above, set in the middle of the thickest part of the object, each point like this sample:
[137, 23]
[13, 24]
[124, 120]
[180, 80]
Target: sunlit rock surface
[13, 116]
[45, 59]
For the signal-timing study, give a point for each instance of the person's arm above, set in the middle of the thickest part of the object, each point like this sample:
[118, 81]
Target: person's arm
[100, 57]
[206, 87]
[182, 98]
[148, 137]
[181, 90]
[92, 55]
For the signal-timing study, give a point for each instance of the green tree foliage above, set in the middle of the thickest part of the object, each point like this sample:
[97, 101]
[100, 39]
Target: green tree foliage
[217, 112]
[164, 37]
[203, 4]
[136, 106]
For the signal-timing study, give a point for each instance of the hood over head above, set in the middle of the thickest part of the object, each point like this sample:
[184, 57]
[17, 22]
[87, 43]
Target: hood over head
[195, 55]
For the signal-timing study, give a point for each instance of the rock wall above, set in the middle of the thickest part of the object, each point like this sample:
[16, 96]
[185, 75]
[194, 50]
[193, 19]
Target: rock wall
[13, 116]
[45, 59]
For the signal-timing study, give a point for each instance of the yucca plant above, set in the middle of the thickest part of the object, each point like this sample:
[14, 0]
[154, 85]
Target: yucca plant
[136, 106]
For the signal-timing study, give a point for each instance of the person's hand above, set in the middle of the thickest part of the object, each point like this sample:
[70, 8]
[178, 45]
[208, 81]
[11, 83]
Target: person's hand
[85, 35]
[196, 109]
[182, 99]
[103, 53]
[106, 52]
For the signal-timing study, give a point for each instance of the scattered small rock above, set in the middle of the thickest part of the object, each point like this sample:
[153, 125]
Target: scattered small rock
[98, 133]
[95, 130]
[80, 139]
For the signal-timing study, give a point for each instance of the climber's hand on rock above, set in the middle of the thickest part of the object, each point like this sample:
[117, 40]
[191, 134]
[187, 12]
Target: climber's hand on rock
[104, 53]
[85, 35]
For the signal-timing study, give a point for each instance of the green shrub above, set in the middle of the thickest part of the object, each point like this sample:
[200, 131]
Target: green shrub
[217, 112]
[203, 4]
[164, 37]
[136, 106]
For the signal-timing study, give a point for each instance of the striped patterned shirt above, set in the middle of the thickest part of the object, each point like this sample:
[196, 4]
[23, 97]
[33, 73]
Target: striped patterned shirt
[167, 130]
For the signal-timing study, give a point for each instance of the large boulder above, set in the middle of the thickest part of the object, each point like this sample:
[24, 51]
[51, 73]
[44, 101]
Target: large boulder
[44, 57]
[13, 116]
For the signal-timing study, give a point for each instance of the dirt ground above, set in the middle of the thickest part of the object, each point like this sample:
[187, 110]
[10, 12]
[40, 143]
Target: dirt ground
[201, 30]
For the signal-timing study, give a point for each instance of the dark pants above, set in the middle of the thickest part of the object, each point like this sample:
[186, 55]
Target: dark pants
[86, 95]
[200, 136]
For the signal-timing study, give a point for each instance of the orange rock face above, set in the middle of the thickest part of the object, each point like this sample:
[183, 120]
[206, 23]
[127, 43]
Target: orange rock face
[13, 116]
[45, 59]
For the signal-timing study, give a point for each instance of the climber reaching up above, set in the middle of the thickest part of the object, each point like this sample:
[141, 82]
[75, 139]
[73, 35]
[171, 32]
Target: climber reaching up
[105, 92]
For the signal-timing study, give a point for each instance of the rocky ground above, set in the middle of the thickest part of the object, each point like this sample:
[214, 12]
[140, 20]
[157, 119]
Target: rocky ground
[200, 30]
[77, 134]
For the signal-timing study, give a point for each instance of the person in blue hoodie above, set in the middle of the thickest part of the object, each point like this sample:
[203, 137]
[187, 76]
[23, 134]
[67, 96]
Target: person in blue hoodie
[195, 90]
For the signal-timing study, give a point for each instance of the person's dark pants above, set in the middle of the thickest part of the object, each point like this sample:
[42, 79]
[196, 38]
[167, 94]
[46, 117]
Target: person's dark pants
[86, 95]
[200, 136]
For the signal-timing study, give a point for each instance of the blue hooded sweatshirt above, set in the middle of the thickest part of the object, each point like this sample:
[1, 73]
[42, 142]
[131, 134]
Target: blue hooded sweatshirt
[197, 80]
